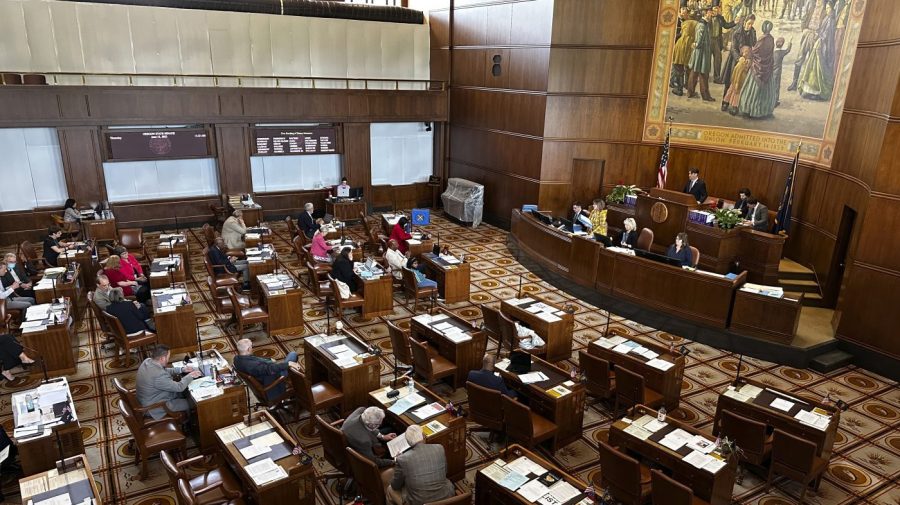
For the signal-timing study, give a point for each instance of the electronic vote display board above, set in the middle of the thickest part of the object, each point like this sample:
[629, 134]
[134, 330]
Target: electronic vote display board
[292, 140]
[175, 143]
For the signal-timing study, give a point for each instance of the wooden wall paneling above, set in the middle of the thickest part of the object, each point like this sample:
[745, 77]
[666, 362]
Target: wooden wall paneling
[887, 171]
[871, 87]
[499, 110]
[276, 205]
[587, 181]
[592, 117]
[233, 146]
[869, 311]
[381, 197]
[603, 71]
[528, 68]
[132, 106]
[611, 23]
[439, 28]
[468, 67]
[501, 151]
[858, 146]
[556, 196]
[30, 225]
[162, 213]
[532, 23]
[357, 164]
[497, 24]
[82, 163]
[501, 80]
[879, 239]
[469, 25]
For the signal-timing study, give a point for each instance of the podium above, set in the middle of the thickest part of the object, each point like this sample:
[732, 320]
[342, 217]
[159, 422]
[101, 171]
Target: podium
[665, 212]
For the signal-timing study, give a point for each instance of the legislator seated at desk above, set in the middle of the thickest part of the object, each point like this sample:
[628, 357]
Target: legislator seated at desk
[8, 292]
[412, 264]
[580, 217]
[400, 234]
[134, 316]
[757, 215]
[307, 221]
[342, 271]
[319, 248]
[419, 475]
[234, 229]
[365, 435]
[223, 263]
[488, 378]
[342, 190]
[53, 246]
[696, 186]
[264, 370]
[681, 251]
[156, 383]
[18, 272]
[741, 205]
[629, 235]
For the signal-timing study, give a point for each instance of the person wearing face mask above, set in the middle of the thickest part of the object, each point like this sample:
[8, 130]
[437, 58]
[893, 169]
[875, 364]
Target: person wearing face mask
[17, 273]
[8, 292]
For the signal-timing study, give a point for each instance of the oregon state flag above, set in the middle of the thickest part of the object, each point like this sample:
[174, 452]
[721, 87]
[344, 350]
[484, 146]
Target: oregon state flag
[421, 217]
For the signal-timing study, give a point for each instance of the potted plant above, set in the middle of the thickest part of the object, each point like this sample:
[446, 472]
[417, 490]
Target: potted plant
[620, 191]
[727, 218]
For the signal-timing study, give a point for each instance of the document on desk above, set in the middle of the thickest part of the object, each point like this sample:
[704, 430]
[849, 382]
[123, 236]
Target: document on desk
[513, 480]
[714, 464]
[563, 491]
[637, 432]
[813, 419]
[252, 451]
[671, 442]
[604, 343]
[781, 404]
[432, 428]
[406, 403]
[549, 317]
[697, 459]
[515, 302]
[398, 445]
[60, 499]
[430, 410]
[750, 391]
[267, 440]
[347, 362]
[502, 364]
[531, 377]
[495, 472]
[558, 391]
[622, 349]
[459, 337]
[265, 471]
[442, 326]
[654, 425]
[730, 392]
[660, 364]
[533, 490]
[701, 444]
[339, 349]
[617, 339]
[525, 466]
[423, 318]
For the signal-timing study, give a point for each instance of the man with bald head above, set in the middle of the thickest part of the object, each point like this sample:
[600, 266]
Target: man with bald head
[222, 262]
[487, 378]
[264, 370]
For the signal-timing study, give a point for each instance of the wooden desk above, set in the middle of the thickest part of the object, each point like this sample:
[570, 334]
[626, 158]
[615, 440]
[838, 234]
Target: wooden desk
[354, 381]
[300, 484]
[283, 300]
[101, 230]
[557, 334]
[59, 283]
[379, 295]
[176, 325]
[760, 409]
[667, 383]
[225, 407]
[715, 488]
[453, 280]
[78, 483]
[253, 214]
[388, 221]
[452, 438]
[418, 247]
[257, 236]
[566, 411]
[766, 317]
[84, 257]
[161, 276]
[489, 492]
[40, 453]
[54, 341]
[346, 210]
[179, 245]
[466, 355]
[260, 261]
[665, 212]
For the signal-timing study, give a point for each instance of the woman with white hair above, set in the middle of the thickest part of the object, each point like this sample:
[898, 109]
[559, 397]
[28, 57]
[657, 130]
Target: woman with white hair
[365, 435]
[629, 235]
[420, 474]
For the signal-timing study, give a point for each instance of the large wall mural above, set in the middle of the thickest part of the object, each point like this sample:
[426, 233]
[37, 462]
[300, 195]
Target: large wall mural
[753, 75]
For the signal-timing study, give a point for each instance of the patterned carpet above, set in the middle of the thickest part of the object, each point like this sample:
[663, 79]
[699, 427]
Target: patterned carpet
[865, 468]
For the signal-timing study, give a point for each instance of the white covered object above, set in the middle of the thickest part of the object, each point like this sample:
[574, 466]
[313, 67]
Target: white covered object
[464, 200]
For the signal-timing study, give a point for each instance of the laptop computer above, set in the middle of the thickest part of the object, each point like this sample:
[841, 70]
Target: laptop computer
[519, 362]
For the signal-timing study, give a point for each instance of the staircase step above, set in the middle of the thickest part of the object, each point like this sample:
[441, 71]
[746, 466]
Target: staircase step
[831, 361]
[800, 288]
[804, 276]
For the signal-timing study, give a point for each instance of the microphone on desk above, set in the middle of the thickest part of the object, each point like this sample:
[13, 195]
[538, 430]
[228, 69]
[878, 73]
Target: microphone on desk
[737, 378]
[59, 447]
[199, 345]
[176, 222]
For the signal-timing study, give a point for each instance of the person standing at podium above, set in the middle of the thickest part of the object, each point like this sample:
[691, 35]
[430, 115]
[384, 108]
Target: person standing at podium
[695, 185]
[681, 251]
[629, 235]
[307, 223]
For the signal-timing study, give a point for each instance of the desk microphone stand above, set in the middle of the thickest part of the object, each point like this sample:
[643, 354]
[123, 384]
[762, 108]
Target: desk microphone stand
[171, 248]
[171, 269]
[199, 345]
[53, 283]
[738, 376]
[59, 447]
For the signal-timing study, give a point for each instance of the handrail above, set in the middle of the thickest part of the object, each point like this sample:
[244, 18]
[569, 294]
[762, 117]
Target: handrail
[53, 78]
[816, 276]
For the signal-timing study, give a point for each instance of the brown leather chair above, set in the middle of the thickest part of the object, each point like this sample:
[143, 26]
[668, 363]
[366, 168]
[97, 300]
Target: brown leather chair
[340, 303]
[246, 315]
[600, 382]
[485, 407]
[413, 291]
[223, 277]
[668, 491]
[262, 392]
[209, 236]
[491, 319]
[460, 499]
[312, 397]
[431, 368]
[138, 340]
[5, 317]
[151, 436]
[291, 226]
[796, 459]
[187, 496]
[627, 480]
[695, 256]
[70, 230]
[214, 483]
[132, 239]
[526, 427]
[129, 396]
[219, 215]
[630, 391]
[751, 436]
[367, 477]
[400, 346]
[645, 239]
[334, 448]
[29, 256]
[220, 297]
[319, 283]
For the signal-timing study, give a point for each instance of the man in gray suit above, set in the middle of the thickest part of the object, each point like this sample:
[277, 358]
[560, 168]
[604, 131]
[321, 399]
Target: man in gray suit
[420, 474]
[156, 383]
[363, 435]
[758, 215]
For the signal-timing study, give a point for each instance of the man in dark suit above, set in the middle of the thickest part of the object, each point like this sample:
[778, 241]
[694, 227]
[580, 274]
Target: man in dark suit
[581, 217]
[263, 370]
[695, 185]
[364, 435]
[307, 222]
[419, 474]
[221, 262]
[488, 379]
[741, 205]
[758, 215]
[16, 273]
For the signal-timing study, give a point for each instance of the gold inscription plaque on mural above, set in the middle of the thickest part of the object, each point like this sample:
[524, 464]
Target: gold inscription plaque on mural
[659, 212]
[753, 76]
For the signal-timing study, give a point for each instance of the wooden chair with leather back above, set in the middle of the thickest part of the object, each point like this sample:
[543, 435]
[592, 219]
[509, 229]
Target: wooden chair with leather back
[627, 480]
[600, 382]
[413, 291]
[334, 448]
[130, 397]
[29, 256]
[126, 342]
[645, 239]
[750, 435]
[312, 397]
[796, 459]
[291, 227]
[431, 368]
[318, 283]
[526, 427]
[668, 491]
[223, 277]
[213, 483]
[491, 320]
[70, 230]
[187, 496]
[152, 436]
[485, 407]
[367, 477]
[262, 392]
[5, 317]
[695, 256]
[246, 314]
[343, 303]
[102, 322]
[220, 297]
[219, 215]
[630, 391]
[400, 346]
[132, 239]
[209, 236]
[460, 499]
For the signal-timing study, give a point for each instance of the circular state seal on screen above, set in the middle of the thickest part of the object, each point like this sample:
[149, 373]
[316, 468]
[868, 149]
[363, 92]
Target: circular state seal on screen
[160, 146]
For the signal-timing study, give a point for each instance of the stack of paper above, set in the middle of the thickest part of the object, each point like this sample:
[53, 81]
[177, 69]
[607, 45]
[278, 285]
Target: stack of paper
[676, 439]
[558, 391]
[513, 480]
[731, 392]
[781, 404]
[407, 402]
[433, 427]
[637, 431]
[813, 419]
[530, 377]
[705, 461]
[430, 410]
[265, 471]
[622, 348]
[525, 466]
[701, 444]
[515, 302]
[750, 390]
[660, 364]
[495, 471]
[604, 343]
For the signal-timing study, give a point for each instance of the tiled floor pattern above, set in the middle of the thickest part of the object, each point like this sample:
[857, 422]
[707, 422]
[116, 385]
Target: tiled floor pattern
[865, 468]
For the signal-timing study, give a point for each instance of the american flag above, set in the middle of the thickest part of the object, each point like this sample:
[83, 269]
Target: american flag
[663, 170]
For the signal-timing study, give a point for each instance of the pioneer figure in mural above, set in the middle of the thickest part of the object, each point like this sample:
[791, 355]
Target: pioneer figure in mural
[701, 58]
